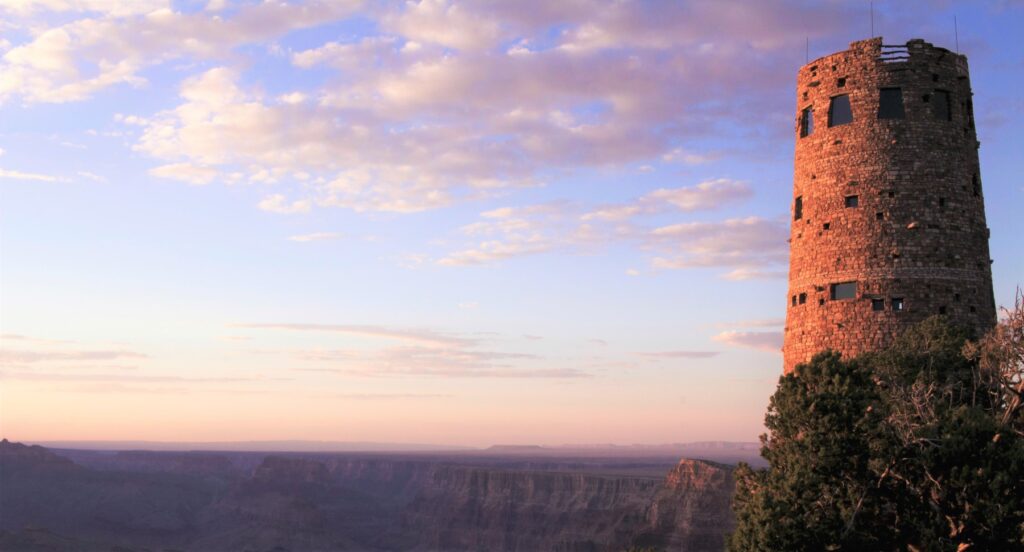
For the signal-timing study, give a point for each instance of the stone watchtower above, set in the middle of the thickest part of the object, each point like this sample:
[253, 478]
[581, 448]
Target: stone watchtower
[888, 223]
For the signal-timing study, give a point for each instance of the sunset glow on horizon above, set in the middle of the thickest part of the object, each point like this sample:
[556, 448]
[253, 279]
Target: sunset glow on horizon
[431, 222]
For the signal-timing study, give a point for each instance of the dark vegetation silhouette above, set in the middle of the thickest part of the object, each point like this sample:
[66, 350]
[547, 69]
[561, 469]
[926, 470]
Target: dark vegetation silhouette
[918, 447]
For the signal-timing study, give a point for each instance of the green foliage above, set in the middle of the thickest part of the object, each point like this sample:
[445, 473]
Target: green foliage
[911, 448]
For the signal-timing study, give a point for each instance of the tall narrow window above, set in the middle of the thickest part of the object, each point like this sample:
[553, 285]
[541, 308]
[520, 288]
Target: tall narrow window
[897, 303]
[843, 290]
[839, 112]
[940, 106]
[806, 122]
[798, 208]
[890, 103]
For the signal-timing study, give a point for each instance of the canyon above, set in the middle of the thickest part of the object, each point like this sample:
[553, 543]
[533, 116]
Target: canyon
[501, 499]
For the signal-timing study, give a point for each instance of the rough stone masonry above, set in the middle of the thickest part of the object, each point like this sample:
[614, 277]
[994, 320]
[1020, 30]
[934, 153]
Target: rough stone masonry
[887, 221]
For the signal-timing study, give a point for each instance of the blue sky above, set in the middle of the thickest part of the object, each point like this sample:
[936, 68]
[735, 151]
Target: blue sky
[461, 223]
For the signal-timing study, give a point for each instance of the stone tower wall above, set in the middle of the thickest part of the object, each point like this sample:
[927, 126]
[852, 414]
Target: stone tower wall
[915, 236]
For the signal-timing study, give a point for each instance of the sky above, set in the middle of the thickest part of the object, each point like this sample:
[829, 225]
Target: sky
[462, 223]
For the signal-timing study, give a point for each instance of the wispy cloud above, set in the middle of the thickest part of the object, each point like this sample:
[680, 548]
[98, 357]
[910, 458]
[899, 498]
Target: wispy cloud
[277, 203]
[315, 236]
[20, 175]
[99, 44]
[424, 337]
[762, 341]
[751, 247]
[9, 356]
[443, 103]
[122, 378]
[679, 354]
[186, 172]
[91, 176]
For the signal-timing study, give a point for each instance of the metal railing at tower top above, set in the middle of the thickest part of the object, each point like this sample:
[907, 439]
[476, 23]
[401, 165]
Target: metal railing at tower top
[894, 53]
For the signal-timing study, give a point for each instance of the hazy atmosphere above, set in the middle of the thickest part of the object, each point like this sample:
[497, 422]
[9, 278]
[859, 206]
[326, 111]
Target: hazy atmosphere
[425, 222]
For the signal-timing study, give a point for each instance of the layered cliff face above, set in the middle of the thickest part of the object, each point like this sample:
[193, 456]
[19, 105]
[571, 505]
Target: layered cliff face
[339, 502]
[479, 509]
[692, 510]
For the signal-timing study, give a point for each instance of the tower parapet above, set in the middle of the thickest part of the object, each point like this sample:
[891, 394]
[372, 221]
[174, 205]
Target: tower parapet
[887, 220]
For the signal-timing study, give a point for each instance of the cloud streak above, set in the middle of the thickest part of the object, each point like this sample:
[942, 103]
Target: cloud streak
[762, 341]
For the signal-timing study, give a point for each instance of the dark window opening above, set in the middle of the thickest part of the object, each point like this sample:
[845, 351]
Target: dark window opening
[803, 298]
[843, 290]
[879, 216]
[841, 82]
[897, 303]
[851, 201]
[826, 226]
[942, 309]
[806, 122]
[974, 309]
[890, 103]
[940, 107]
[956, 297]
[977, 187]
[878, 304]
[798, 208]
[926, 98]
[821, 302]
[794, 301]
[892, 194]
[839, 111]
[970, 113]
[935, 77]
[942, 202]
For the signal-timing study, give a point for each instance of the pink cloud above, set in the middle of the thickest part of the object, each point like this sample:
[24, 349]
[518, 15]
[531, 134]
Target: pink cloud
[762, 341]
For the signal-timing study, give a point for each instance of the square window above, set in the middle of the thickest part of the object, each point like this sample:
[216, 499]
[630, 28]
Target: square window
[942, 309]
[839, 111]
[879, 216]
[897, 303]
[826, 226]
[851, 201]
[843, 290]
[878, 304]
[841, 82]
[803, 298]
[890, 103]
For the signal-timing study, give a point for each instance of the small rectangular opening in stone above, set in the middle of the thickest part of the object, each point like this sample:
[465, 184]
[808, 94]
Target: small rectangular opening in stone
[806, 122]
[798, 208]
[941, 106]
[851, 201]
[803, 298]
[841, 82]
[879, 216]
[942, 202]
[890, 103]
[826, 225]
[793, 303]
[942, 309]
[839, 111]
[843, 290]
[897, 303]
[878, 304]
